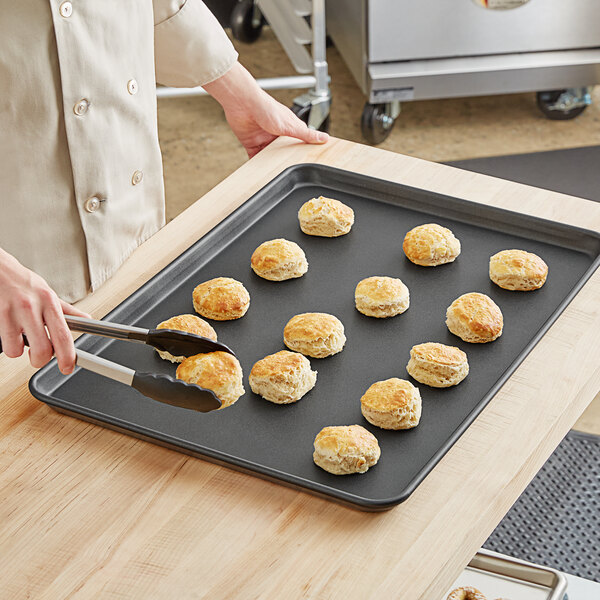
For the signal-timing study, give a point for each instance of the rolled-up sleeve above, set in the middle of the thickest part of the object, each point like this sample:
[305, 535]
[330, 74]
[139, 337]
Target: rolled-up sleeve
[190, 46]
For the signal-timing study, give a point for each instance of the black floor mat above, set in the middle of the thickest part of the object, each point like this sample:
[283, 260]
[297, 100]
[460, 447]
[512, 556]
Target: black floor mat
[556, 520]
[575, 171]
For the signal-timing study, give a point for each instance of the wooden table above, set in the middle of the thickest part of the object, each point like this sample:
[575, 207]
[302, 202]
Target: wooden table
[89, 513]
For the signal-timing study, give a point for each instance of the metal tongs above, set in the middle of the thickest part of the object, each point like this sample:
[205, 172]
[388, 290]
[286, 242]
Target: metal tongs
[158, 386]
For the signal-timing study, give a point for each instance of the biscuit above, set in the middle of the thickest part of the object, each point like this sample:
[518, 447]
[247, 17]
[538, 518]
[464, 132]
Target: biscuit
[283, 377]
[437, 365]
[431, 245]
[188, 324]
[221, 299]
[278, 260]
[343, 450]
[518, 270]
[475, 318]
[381, 297]
[325, 217]
[220, 372]
[314, 334]
[392, 404]
[466, 593]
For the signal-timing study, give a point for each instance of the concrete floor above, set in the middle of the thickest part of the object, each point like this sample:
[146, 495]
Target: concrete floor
[199, 149]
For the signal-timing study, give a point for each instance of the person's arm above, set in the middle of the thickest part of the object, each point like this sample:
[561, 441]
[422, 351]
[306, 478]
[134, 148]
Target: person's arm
[255, 117]
[28, 305]
[191, 49]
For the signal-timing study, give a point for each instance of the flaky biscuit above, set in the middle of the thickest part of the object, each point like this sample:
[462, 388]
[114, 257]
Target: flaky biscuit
[381, 296]
[437, 365]
[466, 593]
[221, 299]
[343, 450]
[518, 270]
[283, 377]
[188, 324]
[392, 404]
[325, 217]
[431, 245]
[475, 318]
[278, 260]
[220, 372]
[314, 334]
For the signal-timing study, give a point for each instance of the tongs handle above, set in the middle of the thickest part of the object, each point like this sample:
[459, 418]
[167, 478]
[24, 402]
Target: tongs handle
[107, 329]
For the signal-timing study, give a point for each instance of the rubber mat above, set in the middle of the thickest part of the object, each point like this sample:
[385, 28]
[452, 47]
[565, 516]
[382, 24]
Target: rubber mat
[573, 171]
[556, 520]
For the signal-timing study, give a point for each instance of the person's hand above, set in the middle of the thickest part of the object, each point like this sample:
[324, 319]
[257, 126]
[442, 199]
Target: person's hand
[255, 117]
[27, 304]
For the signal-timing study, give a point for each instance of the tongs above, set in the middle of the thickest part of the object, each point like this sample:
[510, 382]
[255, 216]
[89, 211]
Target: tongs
[158, 386]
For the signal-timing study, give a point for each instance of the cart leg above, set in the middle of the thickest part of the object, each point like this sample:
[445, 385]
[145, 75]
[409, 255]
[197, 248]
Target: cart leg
[313, 107]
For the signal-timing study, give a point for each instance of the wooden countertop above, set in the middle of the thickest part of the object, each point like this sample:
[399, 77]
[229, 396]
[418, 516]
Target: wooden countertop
[89, 513]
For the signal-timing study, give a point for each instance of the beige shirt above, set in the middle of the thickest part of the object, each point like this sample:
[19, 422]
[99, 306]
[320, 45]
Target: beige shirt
[81, 179]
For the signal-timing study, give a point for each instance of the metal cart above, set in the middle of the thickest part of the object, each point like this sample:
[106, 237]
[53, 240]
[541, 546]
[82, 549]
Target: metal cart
[401, 50]
[296, 23]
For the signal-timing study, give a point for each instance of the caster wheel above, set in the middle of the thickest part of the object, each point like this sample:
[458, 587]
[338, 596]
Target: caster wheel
[302, 112]
[376, 122]
[547, 101]
[246, 21]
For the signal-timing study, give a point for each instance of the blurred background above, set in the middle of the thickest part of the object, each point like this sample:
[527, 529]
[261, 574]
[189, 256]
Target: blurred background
[427, 79]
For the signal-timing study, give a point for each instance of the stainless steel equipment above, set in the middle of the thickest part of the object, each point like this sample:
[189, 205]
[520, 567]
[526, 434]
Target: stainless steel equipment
[296, 23]
[400, 50]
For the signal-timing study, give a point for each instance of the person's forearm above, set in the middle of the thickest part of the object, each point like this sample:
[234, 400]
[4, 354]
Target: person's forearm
[235, 88]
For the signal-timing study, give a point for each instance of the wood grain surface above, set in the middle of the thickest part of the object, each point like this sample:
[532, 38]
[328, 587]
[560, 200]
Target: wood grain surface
[89, 513]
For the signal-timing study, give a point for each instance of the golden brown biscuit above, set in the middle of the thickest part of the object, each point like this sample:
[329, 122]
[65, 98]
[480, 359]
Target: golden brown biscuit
[475, 318]
[325, 217]
[518, 270]
[466, 593]
[437, 365]
[343, 450]
[220, 372]
[221, 299]
[283, 377]
[278, 260]
[392, 404]
[381, 297]
[314, 334]
[189, 324]
[431, 245]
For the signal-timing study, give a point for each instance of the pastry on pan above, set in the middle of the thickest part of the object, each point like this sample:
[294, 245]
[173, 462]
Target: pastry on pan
[221, 299]
[431, 245]
[278, 260]
[381, 297]
[343, 450]
[437, 365]
[188, 324]
[325, 217]
[314, 334]
[518, 270]
[466, 593]
[392, 404]
[475, 318]
[220, 372]
[283, 377]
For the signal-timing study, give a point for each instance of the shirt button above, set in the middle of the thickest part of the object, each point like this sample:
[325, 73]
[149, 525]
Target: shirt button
[137, 177]
[132, 86]
[92, 204]
[81, 107]
[65, 9]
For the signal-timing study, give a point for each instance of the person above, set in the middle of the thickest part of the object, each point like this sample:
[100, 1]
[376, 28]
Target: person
[80, 165]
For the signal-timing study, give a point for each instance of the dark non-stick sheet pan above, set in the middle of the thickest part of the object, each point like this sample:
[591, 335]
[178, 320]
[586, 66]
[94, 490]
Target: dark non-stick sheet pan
[275, 441]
